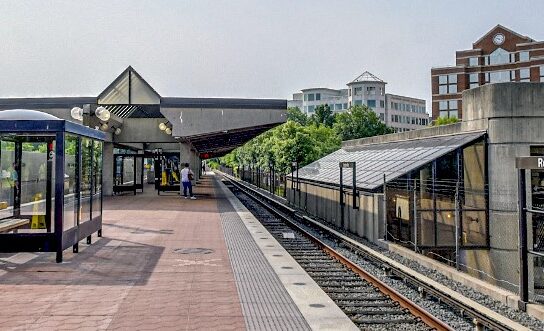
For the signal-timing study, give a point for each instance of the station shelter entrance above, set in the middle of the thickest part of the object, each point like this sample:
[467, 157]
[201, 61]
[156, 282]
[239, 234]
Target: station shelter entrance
[132, 172]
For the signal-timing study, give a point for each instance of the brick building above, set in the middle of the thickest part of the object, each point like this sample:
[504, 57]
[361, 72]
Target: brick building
[501, 55]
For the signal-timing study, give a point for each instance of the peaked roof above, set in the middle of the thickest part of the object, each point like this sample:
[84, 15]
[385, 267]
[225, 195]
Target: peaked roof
[392, 159]
[366, 77]
[120, 90]
[501, 27]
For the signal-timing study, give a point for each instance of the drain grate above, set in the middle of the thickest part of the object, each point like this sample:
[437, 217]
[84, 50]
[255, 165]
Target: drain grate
[195, 250]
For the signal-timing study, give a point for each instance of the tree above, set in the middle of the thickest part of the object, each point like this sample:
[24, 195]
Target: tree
[323, 115]
[359, 122]
[444, 121]
[296, 115]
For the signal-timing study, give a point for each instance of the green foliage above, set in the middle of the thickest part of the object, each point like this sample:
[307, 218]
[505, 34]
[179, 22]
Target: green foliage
[444, 121]
[359, 122]
[323, 115]
[296, 115]
[305, 140]
[213, 163]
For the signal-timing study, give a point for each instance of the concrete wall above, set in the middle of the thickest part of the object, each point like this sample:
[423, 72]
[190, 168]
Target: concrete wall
[323, 203]
[199, 121]
[143, 130]
[514, 113]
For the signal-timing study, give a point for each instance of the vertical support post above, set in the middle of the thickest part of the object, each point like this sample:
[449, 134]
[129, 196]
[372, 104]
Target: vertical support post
[523, 260]
[342, 203]
[414, 215]
[386, 235]
[458, 207]
[59, 193]
[457, 225]
[355, 193]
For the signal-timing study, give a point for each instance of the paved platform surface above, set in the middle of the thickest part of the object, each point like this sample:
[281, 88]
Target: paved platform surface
[163, 263]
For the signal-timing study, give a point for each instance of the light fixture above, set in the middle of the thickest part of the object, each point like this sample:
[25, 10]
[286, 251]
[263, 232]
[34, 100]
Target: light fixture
[117, 131]
[168, 131]
[162, 126]
[104, 126]
[102, 113]
[77, 113]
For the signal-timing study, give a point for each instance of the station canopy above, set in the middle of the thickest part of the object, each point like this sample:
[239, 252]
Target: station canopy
[394, 159]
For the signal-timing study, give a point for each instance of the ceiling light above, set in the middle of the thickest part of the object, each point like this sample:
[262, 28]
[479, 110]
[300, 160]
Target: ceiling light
[168, 131]
[117, 131]
[162, 126]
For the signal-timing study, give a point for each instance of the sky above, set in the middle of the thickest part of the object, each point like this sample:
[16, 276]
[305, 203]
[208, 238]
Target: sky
[253, 49]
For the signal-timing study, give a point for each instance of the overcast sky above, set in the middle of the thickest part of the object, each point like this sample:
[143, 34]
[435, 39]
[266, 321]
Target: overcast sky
[256, 49]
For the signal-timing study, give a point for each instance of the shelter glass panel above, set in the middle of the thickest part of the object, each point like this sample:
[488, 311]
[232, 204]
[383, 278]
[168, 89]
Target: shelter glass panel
[86, 179]
[426, 228]
[10, 179]
[445, 228]
[97, 179]
[71, 174]
[474, 225]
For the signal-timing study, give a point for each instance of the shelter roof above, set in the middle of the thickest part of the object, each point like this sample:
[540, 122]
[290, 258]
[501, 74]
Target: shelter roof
[392, 159]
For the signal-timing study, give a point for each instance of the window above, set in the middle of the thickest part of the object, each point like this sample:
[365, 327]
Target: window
[472, 61]
[524, 56]
[499, 56]
[382, 116]
[542, 74]
[381, 90]
[345, 106]
[338, 106]
[448, 108]
[382, 104]
[371, 90]
[318, 96]
[311, 109]
[305, 97]
[358, 102]
[524, 75]
[358, 91]
[473, 80]
[311, 97]
[371, 103]
[500, 76]
[447, 84]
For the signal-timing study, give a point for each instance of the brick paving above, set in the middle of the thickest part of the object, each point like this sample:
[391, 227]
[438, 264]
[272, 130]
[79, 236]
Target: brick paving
[132, 278]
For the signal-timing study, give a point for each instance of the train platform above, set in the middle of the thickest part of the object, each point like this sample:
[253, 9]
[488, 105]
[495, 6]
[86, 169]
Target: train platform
[167, 263]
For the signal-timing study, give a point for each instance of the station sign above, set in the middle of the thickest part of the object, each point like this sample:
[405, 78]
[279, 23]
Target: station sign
[349, 165]
[530, 162]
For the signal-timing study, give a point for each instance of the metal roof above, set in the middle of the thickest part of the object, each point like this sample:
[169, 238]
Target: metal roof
[366, 77]
[394, 159]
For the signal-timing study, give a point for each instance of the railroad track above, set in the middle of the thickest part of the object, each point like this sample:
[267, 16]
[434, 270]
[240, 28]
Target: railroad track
[368, 302]
[482, 317]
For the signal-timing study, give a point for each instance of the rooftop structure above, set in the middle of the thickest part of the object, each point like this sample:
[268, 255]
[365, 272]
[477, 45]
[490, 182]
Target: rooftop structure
[399, 112]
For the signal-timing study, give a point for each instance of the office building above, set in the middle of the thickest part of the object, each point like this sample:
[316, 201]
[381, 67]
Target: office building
[501, 55]
[402, 113]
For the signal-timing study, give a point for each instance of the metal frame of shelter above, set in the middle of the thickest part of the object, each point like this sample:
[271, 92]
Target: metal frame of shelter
[118, 173]
[60, 239]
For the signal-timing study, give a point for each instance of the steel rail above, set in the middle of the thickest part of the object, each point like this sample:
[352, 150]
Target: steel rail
[404, 302]
[480, 319]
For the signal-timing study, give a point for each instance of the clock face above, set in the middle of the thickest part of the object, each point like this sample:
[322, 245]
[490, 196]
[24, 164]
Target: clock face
[498, 39]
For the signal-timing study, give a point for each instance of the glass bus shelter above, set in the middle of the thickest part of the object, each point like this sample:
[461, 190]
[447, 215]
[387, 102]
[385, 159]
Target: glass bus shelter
[50, 182]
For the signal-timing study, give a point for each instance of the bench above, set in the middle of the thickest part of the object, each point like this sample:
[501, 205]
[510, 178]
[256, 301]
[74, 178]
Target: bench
[12, 223]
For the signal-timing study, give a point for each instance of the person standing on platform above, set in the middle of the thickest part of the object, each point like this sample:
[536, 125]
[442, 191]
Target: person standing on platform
[187, 176]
